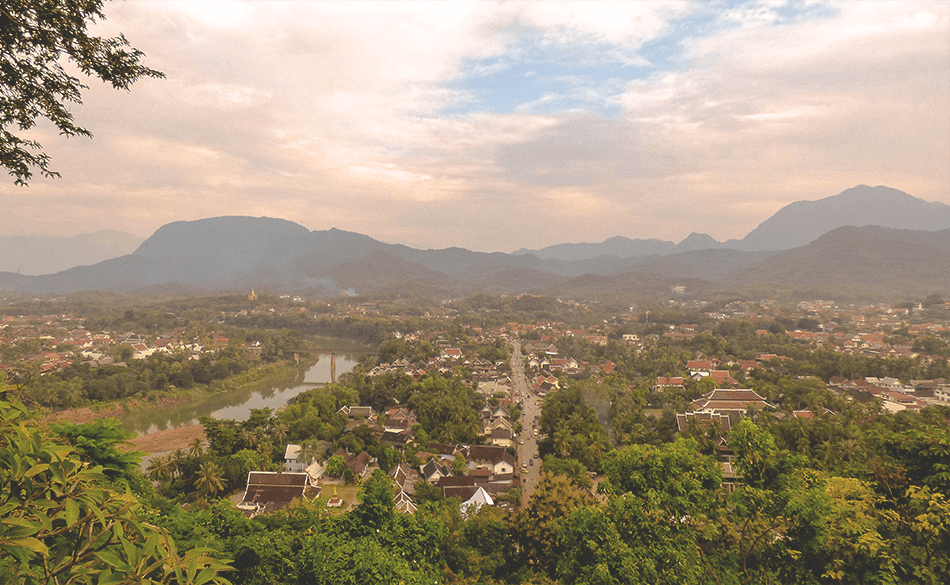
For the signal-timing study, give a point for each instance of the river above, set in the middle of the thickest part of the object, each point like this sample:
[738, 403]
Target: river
[237, 404]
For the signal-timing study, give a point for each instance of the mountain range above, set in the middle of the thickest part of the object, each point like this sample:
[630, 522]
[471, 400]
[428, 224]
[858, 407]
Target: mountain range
[793, 226]
[875, 243]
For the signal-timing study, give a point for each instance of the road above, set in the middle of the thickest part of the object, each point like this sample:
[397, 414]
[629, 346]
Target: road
[532, 409]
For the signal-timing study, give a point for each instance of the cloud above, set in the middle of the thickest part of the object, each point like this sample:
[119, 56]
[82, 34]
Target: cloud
[363, 116]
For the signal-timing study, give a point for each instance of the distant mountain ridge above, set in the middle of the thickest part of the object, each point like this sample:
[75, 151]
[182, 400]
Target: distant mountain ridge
[794, 225]
[802, 222]
[239, 253]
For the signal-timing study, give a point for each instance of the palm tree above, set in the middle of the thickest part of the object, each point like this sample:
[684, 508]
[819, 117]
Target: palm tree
[562, 440]
[177, 462]
[210, 478]
[309, 452]
[280, 433]
[195, 450]
[157, 469]
[473, 428]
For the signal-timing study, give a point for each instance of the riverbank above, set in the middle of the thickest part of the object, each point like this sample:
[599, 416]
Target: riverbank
[128, 407]
[161, 441]
[118, 409]
[168, 440]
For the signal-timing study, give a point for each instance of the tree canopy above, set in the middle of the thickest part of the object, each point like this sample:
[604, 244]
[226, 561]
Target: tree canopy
[41, 43]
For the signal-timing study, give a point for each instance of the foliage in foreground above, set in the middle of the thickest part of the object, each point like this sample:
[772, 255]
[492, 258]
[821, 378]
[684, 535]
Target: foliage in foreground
[63, 520]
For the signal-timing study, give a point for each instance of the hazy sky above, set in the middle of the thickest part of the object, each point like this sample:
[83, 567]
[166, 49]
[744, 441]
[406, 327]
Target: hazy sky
[494, 126]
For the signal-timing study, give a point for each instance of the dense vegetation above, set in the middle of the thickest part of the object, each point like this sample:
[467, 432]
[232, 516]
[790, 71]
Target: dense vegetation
[150, 378]
[851, 495]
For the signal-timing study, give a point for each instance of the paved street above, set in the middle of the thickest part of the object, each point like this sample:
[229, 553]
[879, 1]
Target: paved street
[532, 409]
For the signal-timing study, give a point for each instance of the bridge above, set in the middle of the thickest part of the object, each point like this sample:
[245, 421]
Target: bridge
[297, 353]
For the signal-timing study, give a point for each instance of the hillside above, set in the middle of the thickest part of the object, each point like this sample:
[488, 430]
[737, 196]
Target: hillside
[866, 262]
[242, 253]
[801, 222]
[792, 226]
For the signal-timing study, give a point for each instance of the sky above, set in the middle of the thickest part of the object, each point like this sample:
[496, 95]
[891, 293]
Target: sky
[495, 126]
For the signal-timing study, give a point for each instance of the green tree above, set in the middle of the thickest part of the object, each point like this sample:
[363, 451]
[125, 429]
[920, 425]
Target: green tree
[195, 447]
[335, 466]
[310, 451]
[61, 520]
[210, 478]
[459, 465]
[37, 40]
[104, 443]
[537, 544]
[650, 531]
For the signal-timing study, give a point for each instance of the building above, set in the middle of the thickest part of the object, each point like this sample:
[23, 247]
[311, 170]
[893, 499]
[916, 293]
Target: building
[730, 401]
[270, 491]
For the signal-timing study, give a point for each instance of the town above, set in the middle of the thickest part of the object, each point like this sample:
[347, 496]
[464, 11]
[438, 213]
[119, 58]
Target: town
[513, 411]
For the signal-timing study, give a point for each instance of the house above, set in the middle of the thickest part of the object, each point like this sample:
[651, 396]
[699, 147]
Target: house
[270, 491]
[357, 412]
[493, 387]
[924, 388]
[503, 436]
[668, 382]
[747, 365]
[358, 463]
[895, 401]
[808, 414]
[434, 470]
[730, 401]
[699, 366]
[494, 457]
[405, 477]
[886, 382]
[399, 419]
[473, 504]
[403, 503]
[396, 440]
[292, 460]
[703, 420]
[723, 378]
[451, 353]
[445, 451]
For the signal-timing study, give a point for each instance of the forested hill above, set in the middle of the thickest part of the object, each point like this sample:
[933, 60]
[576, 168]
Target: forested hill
[790, 227]
[274, 255]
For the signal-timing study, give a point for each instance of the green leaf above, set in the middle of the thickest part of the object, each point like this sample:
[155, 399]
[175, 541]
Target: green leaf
[107, 576]
[38, 468]
[204, 576]
[22, 522]
[30, 544]
[72, 512]
[113, 560]
[21, 554]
